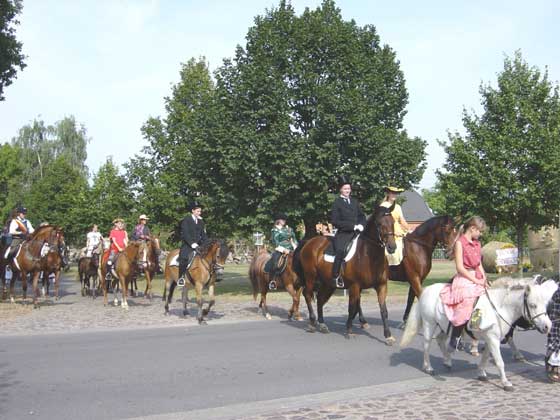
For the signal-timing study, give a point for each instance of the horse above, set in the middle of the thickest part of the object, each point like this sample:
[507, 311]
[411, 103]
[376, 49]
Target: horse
[149, 270]
[418, 249]
[500, 306]
[287, 280]
[88, 268]
[368, 268]
[53, 263]
[29, 259]
[124, 266]
[206, 268]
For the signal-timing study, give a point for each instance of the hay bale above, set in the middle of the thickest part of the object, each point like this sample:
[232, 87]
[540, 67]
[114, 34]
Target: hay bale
[543, 249]
[489, 257]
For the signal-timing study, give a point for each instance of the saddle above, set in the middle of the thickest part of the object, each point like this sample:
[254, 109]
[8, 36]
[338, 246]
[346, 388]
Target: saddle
[280, 266]
[175, 260]
[349, 251]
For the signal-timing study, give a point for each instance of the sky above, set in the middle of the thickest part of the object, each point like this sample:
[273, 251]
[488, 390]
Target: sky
[111, 63]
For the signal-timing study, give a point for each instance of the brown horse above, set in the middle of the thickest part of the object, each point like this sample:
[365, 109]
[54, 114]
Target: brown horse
[124, 266]
[52, 264]
[30, 258]
[149, 269]
[368, 268]
[288, 280]
[206, 268]
[88, 269]
[418, 250]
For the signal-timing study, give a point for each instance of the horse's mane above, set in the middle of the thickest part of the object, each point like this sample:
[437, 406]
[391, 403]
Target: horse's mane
[429, 224]
[223, 250]
[512, 283]
[43, 228]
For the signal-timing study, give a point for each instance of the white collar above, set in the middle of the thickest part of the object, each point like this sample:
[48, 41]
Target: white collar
[345, 198]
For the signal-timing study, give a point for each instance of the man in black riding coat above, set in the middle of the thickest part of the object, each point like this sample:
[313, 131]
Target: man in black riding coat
[348, 218]
[193, 234]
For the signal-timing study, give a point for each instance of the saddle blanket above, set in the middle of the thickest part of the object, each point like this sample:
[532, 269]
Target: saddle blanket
[330, 258]
[174, 261]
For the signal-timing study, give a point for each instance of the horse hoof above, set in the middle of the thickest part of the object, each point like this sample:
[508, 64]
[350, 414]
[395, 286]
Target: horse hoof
[83, 292]
[185, 313]
[268, 316]
[390, 341]
[402, 325]
[483, 378]
[205, 312]
[56, 298]
[349, 335]
[475, 353]
[508, 388]
[324, 329]
[448, 366]
[202, 322]
[429, 371]
[365, 326]
[310, 329]
[519, 358]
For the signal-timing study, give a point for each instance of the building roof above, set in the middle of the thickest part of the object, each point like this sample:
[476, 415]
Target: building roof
[414, 207]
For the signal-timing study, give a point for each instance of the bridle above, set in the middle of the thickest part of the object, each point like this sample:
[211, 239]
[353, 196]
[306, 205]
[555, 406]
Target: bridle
[527, 312]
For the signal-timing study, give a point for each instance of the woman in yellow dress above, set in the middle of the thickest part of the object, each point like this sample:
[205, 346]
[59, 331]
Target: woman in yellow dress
[401, 226]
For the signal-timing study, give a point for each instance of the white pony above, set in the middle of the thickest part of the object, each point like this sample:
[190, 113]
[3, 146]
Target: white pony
[500, 308]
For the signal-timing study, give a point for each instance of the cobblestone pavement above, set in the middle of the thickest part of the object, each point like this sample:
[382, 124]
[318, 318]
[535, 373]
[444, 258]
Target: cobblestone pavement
[73, 312]
[533, 398]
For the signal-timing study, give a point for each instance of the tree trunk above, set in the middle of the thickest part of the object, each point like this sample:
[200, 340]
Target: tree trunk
[520, 230]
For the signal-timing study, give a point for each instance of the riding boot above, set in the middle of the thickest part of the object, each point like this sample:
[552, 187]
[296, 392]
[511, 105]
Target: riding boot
[337, 279]
[108, 268]
[272, 276]
[182, 271]
[455, 340]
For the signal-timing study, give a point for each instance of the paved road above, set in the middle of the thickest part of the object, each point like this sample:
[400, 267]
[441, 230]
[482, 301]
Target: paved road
[154, 371]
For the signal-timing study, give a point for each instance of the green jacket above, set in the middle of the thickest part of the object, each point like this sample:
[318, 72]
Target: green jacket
[282, 237]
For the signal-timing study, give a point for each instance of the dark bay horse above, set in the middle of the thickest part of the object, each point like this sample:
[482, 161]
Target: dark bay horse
[30, 258]
[53, 263]
[418, 250]
[124, 266]
[288, 281]
[368, 268]
[206, 268]
[88, 272]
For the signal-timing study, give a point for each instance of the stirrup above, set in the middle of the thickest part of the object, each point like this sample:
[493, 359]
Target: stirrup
[181, 282]
[272, 285]
[339, 282]
[108, 276]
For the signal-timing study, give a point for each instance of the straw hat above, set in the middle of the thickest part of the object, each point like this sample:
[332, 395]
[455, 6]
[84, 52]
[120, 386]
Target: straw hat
[143, 217]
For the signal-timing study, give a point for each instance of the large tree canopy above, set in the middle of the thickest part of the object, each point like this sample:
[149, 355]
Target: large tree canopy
[507, 166]
[10, 48]
[308, 98]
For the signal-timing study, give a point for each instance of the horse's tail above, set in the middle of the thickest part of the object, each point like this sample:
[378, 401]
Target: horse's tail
[254, 280]
[296, 263]
[413, 324]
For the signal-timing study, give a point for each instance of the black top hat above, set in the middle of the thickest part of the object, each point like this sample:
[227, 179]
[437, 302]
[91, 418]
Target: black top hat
[22, 210]
[343, 180]
[194, 205]
[280, 216]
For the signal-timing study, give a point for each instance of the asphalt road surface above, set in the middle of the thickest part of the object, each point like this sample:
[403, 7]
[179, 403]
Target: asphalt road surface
[134, 373]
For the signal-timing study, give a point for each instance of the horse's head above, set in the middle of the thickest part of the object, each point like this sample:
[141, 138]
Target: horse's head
[381, 228]
[143, 249]
[215, 251]
[446, 234]
[535, 302]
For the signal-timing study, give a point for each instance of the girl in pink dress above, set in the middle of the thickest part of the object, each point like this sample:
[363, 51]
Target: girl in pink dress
[469, 282]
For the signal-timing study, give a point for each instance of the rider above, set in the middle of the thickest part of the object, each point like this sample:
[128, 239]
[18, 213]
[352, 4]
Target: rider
[469, 282]
[141, 231]
[193, 234]
[348, 218]
[20, 228]
[93, 239]
[401, 227]
[119, 241]
[284, 241]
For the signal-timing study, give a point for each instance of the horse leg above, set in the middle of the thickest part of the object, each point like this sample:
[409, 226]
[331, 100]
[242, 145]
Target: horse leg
[409, 302]
[442, 342]
[148, 291]
[324, 294]
[124, 291]
[211, 298]
[170, 288]
[517, 355]
[353, 307]
[295, 301]
[185, 300]
[199, 302]
[115, 284]
[494, 345]
[363, 322]
[262, 304]
[35, 289]
[428, 330]
[483, 363]
[381, 297]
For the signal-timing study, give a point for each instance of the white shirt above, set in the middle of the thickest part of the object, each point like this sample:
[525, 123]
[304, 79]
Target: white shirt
[93, 239]
[14, 226]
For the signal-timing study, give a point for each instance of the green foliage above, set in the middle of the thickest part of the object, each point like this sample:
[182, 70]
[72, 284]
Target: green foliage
[308, 98]
[60, 198]
[507, 166]
[10, 48]
[10, 173]
[435, 199]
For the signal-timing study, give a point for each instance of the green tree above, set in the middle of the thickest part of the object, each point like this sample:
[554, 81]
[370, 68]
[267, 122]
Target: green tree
[507, 166]
[10, 175]
[60, 198]
[109, 198]
[435, 199]
[10, 48]
[41, 145]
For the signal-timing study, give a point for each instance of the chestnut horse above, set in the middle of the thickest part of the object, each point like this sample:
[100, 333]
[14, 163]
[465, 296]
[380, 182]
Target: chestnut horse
[418, 250]
[124, 266]
[206, 268]
[288, 281]
[53, 263]
[149, 269]
[29, 259]
[368, 268]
